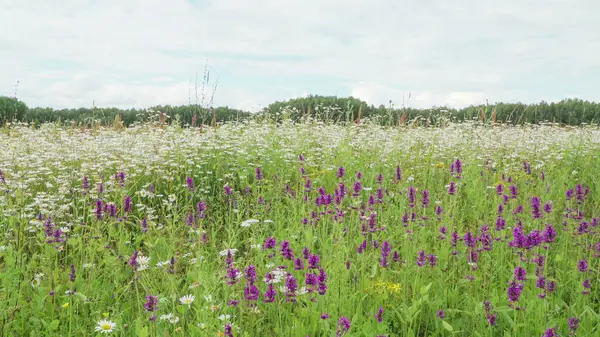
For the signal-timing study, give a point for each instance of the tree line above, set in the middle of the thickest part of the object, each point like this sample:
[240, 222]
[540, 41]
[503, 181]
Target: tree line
[322, 108]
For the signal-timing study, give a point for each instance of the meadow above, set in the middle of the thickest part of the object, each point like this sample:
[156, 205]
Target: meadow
[300, 229]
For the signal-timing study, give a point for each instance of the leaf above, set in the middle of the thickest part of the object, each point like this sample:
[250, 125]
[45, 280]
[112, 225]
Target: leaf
[447, 326]
[503, 308]
[138, 326]
[558, 258]
[425, 289]
[144, 332]
[81, 296]
[53, 325]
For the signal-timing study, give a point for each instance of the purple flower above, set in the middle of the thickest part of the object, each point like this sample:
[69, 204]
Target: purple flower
[127, 205]
[259, 174]
[514, 291]
[550, 333]
[520, 274]
[421, 258]
[341, 172]
[322, 282]
[99, 209]
[270, 294]
[298, 264]
[72, 275]
[549, 234]
[324, 316]
[85, 184]
[270, 242]
[499, 189]
[227, 332]
[514, 191]
[227, 190]
[250, 274]
[452, 188]
[425, 198]
[548, 207]
[573, 323]
[291, 285]
[541, 282]
[151, 303]
[286, 251]
[190, 183]
[314, 261]
[251, 292]
[356, 188]
[343, 326]
[379, 315]
[398, 173]
[440, 314]
[144, 225]
[582, 266]
[432, 260]
[536, 212]
[412, 193]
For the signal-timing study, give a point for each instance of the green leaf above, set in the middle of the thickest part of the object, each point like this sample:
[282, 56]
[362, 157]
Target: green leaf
[447, 326]
[144, 332]
[425, 289]
[81, 296]
[558, 258]
[503, 308]
[138, 326]
[53, 325]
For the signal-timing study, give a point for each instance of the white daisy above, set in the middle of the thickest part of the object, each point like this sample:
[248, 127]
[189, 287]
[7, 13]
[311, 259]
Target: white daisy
[105, 326]
[187, 299]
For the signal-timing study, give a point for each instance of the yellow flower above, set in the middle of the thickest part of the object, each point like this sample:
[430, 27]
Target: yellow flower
[105, 314]
[439, 165]
[220, 333]
[65, 305]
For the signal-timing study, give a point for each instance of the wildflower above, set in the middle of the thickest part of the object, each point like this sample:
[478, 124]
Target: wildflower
[228, 332]
[398, 173]
[550, 333]
[314, 261]
[379, 315]
[190, 183]
[520, 274]
[341, 172]
[151, 303]
[259, 174]
[105, 326]
[452, 188]
[343, 326]
[187, 299]
[440, 314]
[573, 323]
[72, 275]
[582, 265]
[514, 291]
[324, 316]
[65, 305]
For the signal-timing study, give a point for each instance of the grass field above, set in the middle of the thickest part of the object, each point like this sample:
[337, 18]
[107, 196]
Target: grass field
[300, 230]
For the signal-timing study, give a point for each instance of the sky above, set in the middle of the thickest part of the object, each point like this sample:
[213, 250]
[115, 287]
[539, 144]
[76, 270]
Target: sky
[422, 53]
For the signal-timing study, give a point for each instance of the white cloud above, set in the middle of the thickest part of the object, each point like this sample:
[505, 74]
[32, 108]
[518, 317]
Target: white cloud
[140, 53]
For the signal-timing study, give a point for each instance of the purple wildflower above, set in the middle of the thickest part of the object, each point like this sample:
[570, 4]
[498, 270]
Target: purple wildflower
[151, 303]
[343, 326]
[379, 315]
[514, 291]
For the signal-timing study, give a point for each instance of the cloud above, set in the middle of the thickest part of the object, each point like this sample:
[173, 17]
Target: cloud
[139, 53]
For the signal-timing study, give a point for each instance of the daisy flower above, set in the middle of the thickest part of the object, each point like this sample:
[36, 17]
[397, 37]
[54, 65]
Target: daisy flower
[105, 326]
[187, 299]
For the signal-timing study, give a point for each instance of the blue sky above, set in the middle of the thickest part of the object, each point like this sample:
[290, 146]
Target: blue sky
[71, 53]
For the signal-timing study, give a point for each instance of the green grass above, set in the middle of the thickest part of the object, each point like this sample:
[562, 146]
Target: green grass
[43, 169]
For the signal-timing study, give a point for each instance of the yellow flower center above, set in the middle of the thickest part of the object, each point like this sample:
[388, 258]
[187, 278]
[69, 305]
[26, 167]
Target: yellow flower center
[105, 327]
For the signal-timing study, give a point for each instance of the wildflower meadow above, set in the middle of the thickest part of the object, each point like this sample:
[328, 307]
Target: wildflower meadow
[300, 229]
